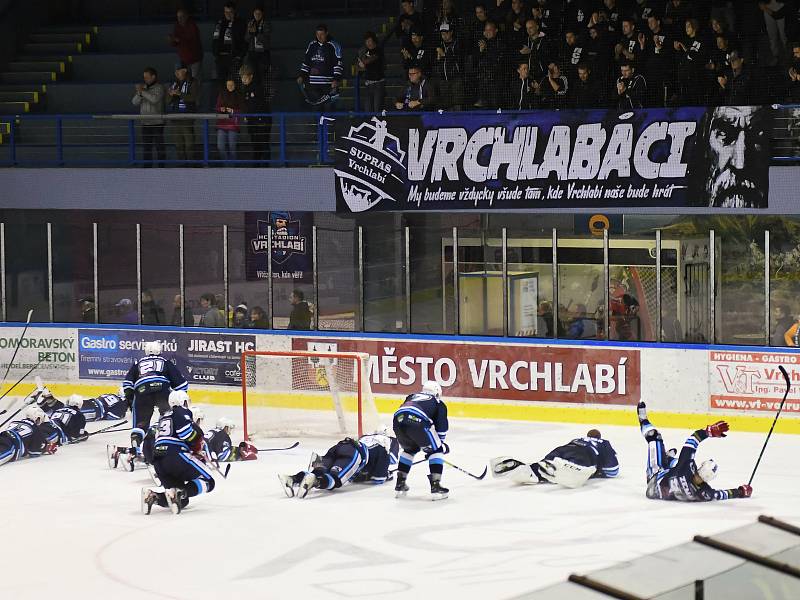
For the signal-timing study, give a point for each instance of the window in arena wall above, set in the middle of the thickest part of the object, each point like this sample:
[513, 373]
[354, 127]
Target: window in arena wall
[203, 260]
[384, 272]
[116, 267]
[73, 272]
[160, 274]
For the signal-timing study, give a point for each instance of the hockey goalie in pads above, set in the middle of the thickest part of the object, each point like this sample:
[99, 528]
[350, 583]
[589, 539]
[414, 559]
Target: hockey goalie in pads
[571, 465]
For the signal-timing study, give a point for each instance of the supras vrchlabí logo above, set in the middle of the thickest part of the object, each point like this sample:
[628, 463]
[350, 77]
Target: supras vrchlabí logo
[371, 165]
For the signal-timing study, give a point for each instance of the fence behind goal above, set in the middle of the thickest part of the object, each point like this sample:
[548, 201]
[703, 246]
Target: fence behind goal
[305, 393]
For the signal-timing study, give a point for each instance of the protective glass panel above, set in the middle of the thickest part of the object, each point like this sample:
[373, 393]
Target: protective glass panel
[73, 273]
[204, 281]
[116, 266]
[161, 275]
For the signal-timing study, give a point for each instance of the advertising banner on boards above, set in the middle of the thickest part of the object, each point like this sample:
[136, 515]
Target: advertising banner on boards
[203, 358]
[690, 156]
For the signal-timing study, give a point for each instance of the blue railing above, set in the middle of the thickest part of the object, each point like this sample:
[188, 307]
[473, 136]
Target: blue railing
[286, 139]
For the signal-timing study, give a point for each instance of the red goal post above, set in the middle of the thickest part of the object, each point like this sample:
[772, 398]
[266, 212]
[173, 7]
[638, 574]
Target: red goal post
[303, 392]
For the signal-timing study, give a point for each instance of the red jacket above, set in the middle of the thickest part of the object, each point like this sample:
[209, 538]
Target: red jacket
[189, 45]
[229, 100]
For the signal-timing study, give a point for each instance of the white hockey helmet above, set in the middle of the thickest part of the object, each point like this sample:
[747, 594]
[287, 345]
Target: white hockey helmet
[224, 422]
[708, 470]
[35, 414]
[199, 415]
[152, 348]
[178, 398]
[432, 388]
[75, 400]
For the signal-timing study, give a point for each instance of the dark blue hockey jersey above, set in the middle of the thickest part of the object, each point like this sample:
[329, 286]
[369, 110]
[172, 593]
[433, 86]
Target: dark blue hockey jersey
[679, 483]
[322, 62]
[219, 444]
[49, 404]
[177, 432]
[153, 374]
[589, 451]
[27, 438]
[383, 453]
[430, 408]
[105, 407]
[68, 424]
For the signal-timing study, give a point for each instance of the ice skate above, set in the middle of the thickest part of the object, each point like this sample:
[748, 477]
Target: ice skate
[149, 497]
[113, 453]
[175, 500]
[400, 487]
[308, 482]
[289, 484]
[437, 491]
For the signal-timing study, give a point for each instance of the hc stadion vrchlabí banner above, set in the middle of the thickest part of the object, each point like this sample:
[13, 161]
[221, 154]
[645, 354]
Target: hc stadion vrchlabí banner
[715, 157]
[292, 245]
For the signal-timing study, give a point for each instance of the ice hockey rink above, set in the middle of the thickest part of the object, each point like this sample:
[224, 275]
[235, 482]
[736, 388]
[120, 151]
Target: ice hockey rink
[73, 527]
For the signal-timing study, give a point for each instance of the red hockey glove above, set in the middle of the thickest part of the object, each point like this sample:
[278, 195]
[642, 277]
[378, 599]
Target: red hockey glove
[196, 445]
[247, 451]
[50, 447]
[718, 429]
[745, 491]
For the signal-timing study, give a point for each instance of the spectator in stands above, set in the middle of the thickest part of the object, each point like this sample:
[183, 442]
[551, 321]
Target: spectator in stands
[490, 59]
[612, 15]
[775, 20]
[448, 15]
[414, 53]
[517, 11]
[256, 102]
[450, 69]
[581, 326]
[537, 49]
[419, 94]
[257, 38]
[720, 59]
[659, 56]
[126, 313]
[523, 90]
[152, 313]
[240, 318]
[515, 36]
[631, 46]
[791, 337]
[300, 317]
[553, 90]
[212, 315]
[229, 102]
[188, 315]
[408, 21]
[624, 312]
[150, 99]
[476, 25]
[185, 37]
[693, 52]
[783, 322]
[371, 65]
[87, 309]
[321, 71]
[183, 95]
[631, 88]
[793, 91]
[586, 89]
[228, 44]
[572, 54]
[644, 9]
[675, 15]
[735, 86]
[258, 318]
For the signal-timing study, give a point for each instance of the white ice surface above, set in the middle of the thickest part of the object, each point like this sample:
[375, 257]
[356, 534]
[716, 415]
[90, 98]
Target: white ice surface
[72, 527]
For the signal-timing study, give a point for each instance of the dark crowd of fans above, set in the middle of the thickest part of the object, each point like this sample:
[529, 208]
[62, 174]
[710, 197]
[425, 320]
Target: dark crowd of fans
[553, 54]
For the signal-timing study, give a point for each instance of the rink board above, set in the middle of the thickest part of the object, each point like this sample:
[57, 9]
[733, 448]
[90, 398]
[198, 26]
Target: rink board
[484, 378]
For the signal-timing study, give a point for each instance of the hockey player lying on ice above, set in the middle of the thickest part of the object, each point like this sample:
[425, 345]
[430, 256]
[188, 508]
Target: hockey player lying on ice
[27, 437]
[570, 465]
[108, 407]
[680, 478]
[365, 460]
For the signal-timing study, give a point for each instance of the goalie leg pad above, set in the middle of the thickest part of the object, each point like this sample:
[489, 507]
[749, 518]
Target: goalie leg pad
[569, 474]
[525, 475]
[502, 466]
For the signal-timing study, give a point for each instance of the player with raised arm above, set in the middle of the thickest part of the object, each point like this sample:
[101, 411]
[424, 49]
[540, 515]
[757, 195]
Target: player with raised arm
[26, 437]
[220, 447]
[147, 386]
[67, 423]
[570, 465]
[421, 424]
[680, 478]
[47, 401]
[365, 460]
[178, 458]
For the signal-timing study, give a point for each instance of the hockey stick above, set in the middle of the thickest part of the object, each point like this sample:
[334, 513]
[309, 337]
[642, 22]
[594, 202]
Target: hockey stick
[295, 445]
[21, 379]
[457, 468]
[110, 428]
[25, 404]
[16, 349]
[764, 447]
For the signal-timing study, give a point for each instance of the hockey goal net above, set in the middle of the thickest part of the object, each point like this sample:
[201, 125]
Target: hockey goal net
[306, 393]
